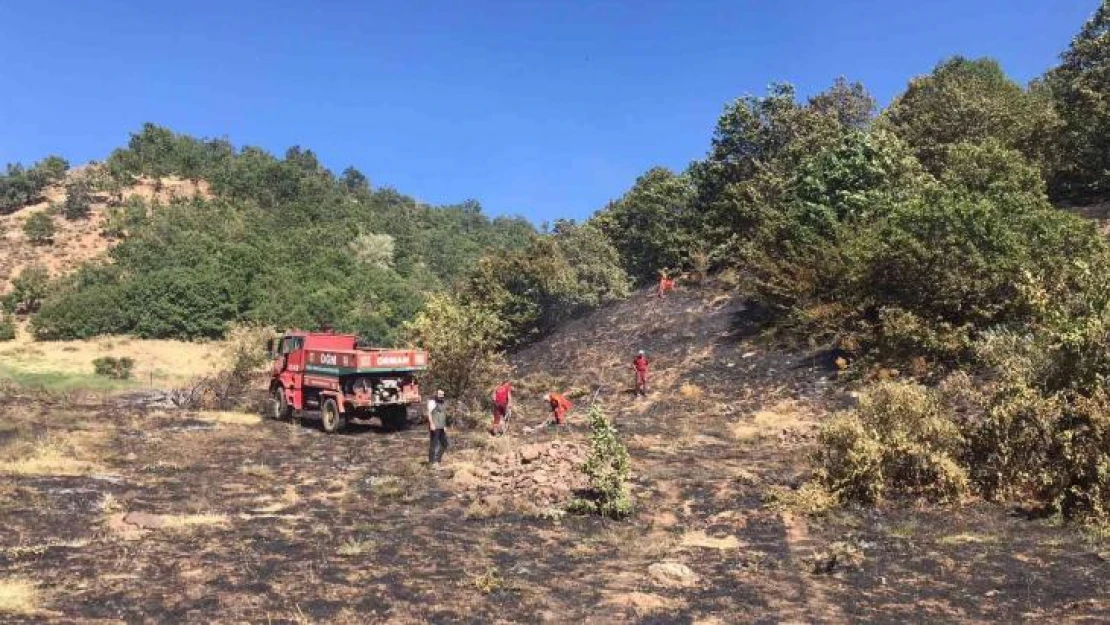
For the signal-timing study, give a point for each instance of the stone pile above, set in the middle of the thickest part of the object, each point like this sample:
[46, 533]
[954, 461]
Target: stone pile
[542, 474]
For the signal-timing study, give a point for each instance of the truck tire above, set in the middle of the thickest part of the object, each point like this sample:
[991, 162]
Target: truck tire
[395, 418]
[279, 406]
[330, 418]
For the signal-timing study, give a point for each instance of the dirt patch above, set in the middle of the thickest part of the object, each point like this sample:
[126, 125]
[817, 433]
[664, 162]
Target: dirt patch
[702, 540]
[641, 603]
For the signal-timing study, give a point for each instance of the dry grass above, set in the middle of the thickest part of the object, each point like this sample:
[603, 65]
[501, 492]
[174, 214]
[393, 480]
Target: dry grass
[51, 456]
[770, 422]
[257, 470]
[171, 362]
[19, 596]
[230, 418]
[354, 547]
[180, 521]
[691, 392]
[490, 582]
[967, 538]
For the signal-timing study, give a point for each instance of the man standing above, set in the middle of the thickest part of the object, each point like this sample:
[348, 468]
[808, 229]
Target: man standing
[640, 365]
[437, 428]
[502, 402]
[559, 407]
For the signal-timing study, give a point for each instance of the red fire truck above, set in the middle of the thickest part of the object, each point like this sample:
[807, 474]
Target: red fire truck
[333, 377]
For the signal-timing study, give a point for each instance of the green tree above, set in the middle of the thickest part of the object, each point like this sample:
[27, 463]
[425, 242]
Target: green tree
[29, 288]
[1080, 86]
[555, 278]
[757, 146]
[849, 103]
[39, 228]
[803, 255]
[966, 100]
[463, 343]
[651, 225]
[355, 181]
[78, 202]
[375, 250]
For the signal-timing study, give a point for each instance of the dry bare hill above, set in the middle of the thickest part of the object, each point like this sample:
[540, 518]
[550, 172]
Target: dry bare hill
[78, 241]
[117, 514]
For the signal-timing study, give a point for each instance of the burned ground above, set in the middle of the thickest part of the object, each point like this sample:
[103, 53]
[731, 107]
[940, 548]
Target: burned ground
[118, 514]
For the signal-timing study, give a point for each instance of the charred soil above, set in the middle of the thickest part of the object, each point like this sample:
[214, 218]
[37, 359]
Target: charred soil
[119, 514]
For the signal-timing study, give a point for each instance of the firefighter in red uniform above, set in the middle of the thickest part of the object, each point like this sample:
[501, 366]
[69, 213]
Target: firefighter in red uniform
[559, 407]
[640, 365]
[665, 284]
[502, 401]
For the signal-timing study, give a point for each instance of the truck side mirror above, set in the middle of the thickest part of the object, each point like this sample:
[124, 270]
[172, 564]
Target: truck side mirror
[270, 349]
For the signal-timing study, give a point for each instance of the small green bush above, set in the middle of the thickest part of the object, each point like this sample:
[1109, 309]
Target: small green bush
[114, 368]
[39, 228]
[607, 467]
[7, 328]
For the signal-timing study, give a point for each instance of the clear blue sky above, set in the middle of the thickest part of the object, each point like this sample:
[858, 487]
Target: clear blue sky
[545, 109]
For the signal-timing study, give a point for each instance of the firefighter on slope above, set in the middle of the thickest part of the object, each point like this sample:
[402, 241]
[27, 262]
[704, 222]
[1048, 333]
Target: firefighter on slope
[559, 407]
[666, 284]
[640, 366]
[502, 402]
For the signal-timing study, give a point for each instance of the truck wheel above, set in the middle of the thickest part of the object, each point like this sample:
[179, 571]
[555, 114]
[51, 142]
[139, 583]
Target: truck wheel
[395, 417]
[279, 406]
[330, 419]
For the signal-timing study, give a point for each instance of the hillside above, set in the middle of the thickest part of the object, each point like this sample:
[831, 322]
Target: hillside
[223, 517]
[76, 241]
[214, 246]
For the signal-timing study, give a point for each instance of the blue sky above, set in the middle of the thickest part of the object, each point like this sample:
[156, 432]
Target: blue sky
[546, 109]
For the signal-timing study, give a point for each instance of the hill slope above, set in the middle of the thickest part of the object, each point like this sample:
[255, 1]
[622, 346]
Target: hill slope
[730, 417]
[221, 517]
[76, 241]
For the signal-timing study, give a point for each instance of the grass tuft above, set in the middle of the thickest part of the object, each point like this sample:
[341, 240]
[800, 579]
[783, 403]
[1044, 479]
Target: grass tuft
[19, 596]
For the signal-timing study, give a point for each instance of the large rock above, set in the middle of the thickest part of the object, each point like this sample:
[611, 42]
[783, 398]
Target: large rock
[674, 574]
[531, 453]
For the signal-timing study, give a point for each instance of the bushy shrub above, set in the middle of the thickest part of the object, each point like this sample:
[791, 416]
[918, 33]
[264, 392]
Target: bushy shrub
[29, 288]
[1011, 435]
[39, 228]
[78, 202]
[7, 328]
[240, 373]
[114, 368]
[89, 311]
[899, 443]
[607, 469]
[21, 186]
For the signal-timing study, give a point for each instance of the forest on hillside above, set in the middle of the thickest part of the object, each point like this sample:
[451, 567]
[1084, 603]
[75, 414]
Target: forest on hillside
[912, 230]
